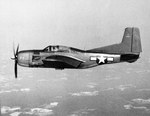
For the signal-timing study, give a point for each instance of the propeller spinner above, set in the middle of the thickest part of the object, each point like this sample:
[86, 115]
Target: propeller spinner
[15, 59]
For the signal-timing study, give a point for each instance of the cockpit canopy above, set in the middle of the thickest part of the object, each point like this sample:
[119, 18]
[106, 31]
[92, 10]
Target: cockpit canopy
[56, 49]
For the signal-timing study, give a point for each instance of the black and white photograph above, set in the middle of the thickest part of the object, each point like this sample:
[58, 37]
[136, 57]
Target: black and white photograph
[74, 58]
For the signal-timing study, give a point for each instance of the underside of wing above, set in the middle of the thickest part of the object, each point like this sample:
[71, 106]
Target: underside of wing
[58, 61]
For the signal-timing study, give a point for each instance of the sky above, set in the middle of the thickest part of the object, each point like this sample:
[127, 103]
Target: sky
[84, 24]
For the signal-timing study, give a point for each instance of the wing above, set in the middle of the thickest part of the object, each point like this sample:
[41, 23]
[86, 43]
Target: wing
[72, 61]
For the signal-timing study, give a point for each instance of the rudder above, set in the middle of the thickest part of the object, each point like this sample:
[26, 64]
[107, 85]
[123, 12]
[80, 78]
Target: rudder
[131, 41]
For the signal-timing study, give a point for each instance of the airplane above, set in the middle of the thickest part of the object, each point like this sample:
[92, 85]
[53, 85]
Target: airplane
[61, 57]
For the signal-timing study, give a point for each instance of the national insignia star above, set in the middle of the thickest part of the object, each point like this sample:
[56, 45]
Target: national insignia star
[101, 59]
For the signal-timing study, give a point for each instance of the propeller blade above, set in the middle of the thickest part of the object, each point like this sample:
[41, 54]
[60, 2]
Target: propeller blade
[15, 69]
[15, 59]
[17, 50]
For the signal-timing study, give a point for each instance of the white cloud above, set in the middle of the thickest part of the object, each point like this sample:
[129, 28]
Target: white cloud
[54, 104]
[141, 101]
[6, 91]
[124, 87]
[129, 107]
[91, 85]
[94, 93]
[110, 79]
[15, 114]
[16, 111]
[15, 90]
[25, 89]
[6, 109]
[51, 105]
[82, 112]
[141, 108]
[108, 89]
[39, 112]
[138, 104]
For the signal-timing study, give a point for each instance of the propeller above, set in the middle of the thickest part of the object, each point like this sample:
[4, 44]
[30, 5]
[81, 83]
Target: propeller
[15, 59]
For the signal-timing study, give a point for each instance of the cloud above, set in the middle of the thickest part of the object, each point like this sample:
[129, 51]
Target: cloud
[16, 111]
[82, 112]
[139, 104]
[51, 105]
[94, 93]
[141, 108]
[108, 89]
[91, 85]
[39, 112]
[44, 110]
[131, 107]
[15, 114]
[141, 101]
[6, 91]
[140, 90]
[110, 79]
[128, 106]
[6, 109]
[25, 89]
[124, 87]
[15, 90]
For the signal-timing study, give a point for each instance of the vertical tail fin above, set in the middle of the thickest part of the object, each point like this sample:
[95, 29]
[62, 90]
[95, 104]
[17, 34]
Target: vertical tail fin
[131, 40]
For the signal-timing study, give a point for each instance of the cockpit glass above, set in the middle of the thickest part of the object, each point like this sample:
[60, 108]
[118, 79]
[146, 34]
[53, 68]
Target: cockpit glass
[56, 49]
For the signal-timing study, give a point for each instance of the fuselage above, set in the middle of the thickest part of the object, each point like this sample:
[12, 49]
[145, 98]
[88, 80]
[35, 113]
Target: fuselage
[61, 57]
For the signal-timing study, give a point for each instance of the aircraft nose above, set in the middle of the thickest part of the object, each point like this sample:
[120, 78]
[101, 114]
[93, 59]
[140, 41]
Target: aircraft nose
[24, 58]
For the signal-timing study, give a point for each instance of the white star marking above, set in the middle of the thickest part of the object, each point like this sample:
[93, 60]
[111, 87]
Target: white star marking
[101, 59]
